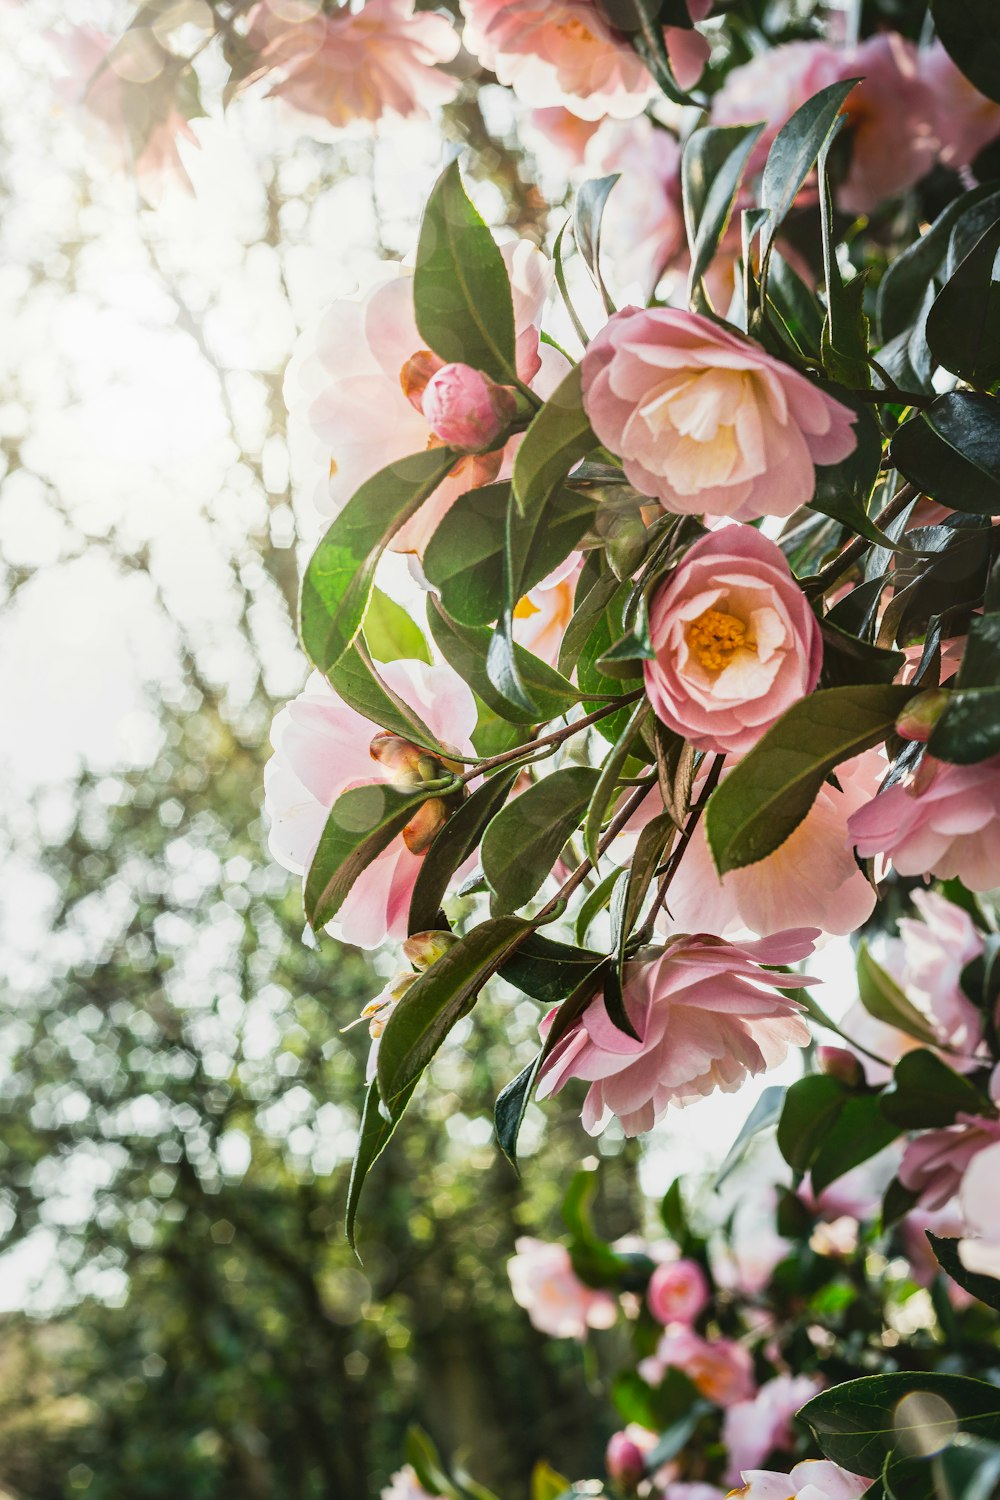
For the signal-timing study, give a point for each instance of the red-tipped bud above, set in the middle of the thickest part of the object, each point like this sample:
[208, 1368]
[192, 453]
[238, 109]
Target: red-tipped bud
[917, 720]
[842, 1065]
[425, 948]
[466, 409]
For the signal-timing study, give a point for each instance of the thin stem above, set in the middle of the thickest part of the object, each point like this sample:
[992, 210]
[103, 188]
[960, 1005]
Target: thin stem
[526, 752]
[612, 831]
[822, 580]
[894, 394]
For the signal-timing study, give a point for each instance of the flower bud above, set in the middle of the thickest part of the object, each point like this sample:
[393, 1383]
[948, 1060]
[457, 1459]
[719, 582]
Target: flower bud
[415, 374]
[624, 1461]
[406, 763]
[917, 719]
[466, 409]
[426, 823]
[425, 948]
[842, 1065]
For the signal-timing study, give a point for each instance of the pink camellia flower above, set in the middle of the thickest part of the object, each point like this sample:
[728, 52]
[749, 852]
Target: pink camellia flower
[707, 1016]
[541, 616]
[356, 64]
[321, 749]
[944, 820]
[642, 232]
[466, 409]
[677, 1292]
[936, 1162]
[404, 1485]
[966, 120]
[813, 1479]
[811, 880]
[706, 420]
[770, 88]
[376, 370]
[565, 52]
[979, 1202]
[721, 1369]
[753, 1429]
[556, 1300]
[625, 1455]
[735, 640]
[692, 1489]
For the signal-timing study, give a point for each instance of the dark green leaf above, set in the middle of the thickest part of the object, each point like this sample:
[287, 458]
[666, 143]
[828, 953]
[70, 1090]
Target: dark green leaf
[338, 578]
[465, 648]
[811, 1106]
[845, 336]
[914, 271]
[969, 728]
[793, 155]
[356, 680]
[969, 34]
[951, 452]
[588, 212]
[856, 1423]
[362, 822]
[643, 21]
[607, 784]
[768, 793]
[657, 1409]
[926, 1093]
[986, 1288]
[526, 838]
[844, 490]
[970, 1470]
[547, 970]
[963, 326]
[712, 167]
[461, 291]
[882, 998]
[454, 844]
[374, 1133]
[558, 437]
[858, 1133]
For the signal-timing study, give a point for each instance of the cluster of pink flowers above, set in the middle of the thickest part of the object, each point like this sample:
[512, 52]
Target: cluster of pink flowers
[557, 1301]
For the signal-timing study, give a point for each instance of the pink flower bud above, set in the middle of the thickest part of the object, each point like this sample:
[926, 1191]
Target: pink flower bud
[624, 1461]
[425, 948]
[918, 718]
[406, 763]
[425, 825]
[677, 1292]
[842, 1065]
[466, 409]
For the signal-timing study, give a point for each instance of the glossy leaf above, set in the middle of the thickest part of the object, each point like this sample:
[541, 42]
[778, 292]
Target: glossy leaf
[969, 34]
[465, 648]
[963, 326]
[355, 678]
[546, 970]
[858, 1133]
[526, 838]
[794, 152]
[918, 267]
[643, 20]
[456, 842]
[558, 437]
[844, 490]
[362, 822]
[588, 212]
[986, 1288]
[926, 1093]
[374, 1133]
[811, 1106]
[951, 452]
[712, 168]
[969, 729]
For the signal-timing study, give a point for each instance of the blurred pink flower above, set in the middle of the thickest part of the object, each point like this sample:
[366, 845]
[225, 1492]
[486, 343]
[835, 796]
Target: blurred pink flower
[642, 232]
[321, 749]
[564, 52]
[979, 1202]
[721, 1369]
[944, 820]
[677, 1292]
[770, 88]
[561, 130]
[556, 1300]
[404, 1485]
[688, 1489]
[368, 412]
[625, 1455]
[735, 640]
[813, 1479]
[753, 1429]
[356, 64]
[707, 1016]
[811, 880]
[966, 120]
[936, 1162]
[541, 616]
[706, 420]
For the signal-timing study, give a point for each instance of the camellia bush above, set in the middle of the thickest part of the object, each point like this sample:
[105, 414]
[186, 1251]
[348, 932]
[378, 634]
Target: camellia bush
[705, 675]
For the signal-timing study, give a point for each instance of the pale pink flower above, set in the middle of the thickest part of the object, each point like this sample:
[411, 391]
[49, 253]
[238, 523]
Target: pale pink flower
[561, 130]
[923, 1265]
[321, 749]
[811, 880]
[404, 1485]
[677, 1292]
[693, 1489]
[721, 1369]
[944, 820]
[541, 616]
[558, 1303]
[771, 87]
[625, 1455]
[707, 1016]
[356, 64]
[813, 1479]
[706, 420]
[735, 640]
[753, 1429]
[936, 1162]
[466, 409]
[368, 412]
[980, 1205]
[966, 120]
[642, 232]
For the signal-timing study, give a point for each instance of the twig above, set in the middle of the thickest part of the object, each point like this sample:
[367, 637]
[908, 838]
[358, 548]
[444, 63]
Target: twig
[555, 738]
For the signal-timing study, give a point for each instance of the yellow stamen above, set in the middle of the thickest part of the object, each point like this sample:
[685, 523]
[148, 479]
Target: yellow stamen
[524, 609]
[334, 466]
[575, 30]
[715, 638]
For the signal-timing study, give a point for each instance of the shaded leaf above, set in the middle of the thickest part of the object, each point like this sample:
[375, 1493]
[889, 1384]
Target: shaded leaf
[712, 167]
[362, 822]
[374, 1133]
[951, 452]
[526, 838]
[465, 648]
[559, 436]
[456, 841]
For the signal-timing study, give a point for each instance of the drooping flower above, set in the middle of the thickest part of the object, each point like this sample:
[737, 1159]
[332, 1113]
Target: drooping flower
[944, 820]
[721, 1369]
[966, 120]
[811, 880]
[404, 1485]
[541, 616]
[322, 748]
[753, 1429]
[707, 421]
[556, 1300]
[813, 1479]
[707, 1016]
[735, 640]
[677, 1292]
[564, 52]
[356, 64]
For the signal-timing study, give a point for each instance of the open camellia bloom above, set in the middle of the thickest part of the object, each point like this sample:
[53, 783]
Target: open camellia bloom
[321, 749]
[707, 421]
[721, 1369]
[541, 616]
[735, 640]
[707, 1015]
[755, 1428]
[556, 1300]
[815, 1479]
[677, 1292]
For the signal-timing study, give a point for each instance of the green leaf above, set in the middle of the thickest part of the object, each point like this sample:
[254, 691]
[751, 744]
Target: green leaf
[769, 792]
[526, 838]
[963, 326]
[596, 901]
[465, 648]
[607, 783]
[858, 1133]
[547, 1484]
[461, 290]
[765, 1113]
[925, 1093]
[811, 1106]
[882, 998]
[362, 822]
[969, 34]
[969, 728]
[547, 970]
[436, 1000]
[916, 269]
[424, 1459]
[951, 452]
[356, 680]
[657, 1409]
[643, 20]
[712, 168]
[986, 1288]
[856, 1423]
[338, 579]
[588, 212]
[454, 844]
[374, 1133]
[845, 336]
[970, 1470]
[558, 437]
[844, 490]
[391, 632]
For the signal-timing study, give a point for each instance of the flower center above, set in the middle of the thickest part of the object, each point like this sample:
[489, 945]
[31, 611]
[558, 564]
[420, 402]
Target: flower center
[715, 638]
[575, 30]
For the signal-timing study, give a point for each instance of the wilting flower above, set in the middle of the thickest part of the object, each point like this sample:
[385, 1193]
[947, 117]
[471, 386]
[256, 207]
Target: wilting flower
[356, 64]
[721, 1369]
[376, 370]
[753, 1429]
[554, 52]
[813, 1479]
[321, 749]
[944, 821]
[735, 640]
[707, 1016]
[556, 1300]
[541, 616]
[642, 232]
[404, 1485]
[706, 420]
[677, 1292]
[966, 120]
[811, 880]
